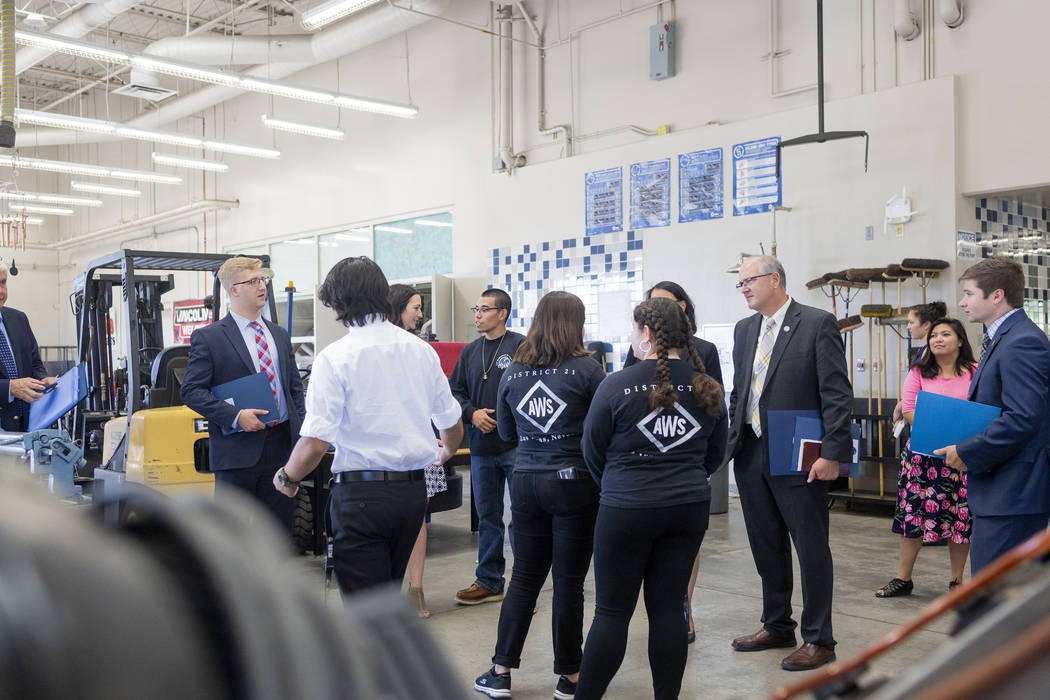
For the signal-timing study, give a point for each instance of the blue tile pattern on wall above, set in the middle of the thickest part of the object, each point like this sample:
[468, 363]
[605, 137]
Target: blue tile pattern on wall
[599, 267]
[1021, 230]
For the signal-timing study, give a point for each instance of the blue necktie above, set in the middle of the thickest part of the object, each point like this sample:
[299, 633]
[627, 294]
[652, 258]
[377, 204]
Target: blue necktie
[7, 358]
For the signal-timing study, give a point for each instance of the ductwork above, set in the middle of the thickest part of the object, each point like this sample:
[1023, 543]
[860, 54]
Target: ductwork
[182, 212]
[905, 23]
[951, 12]
[75, 26]
[297, 53]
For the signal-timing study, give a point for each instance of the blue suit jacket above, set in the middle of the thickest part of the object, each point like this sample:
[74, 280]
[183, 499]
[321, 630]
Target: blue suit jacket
[218, 355]
[1007, 463]
[14, 415]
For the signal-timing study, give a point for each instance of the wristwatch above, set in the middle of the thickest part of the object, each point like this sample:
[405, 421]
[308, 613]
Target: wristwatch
[283, 480]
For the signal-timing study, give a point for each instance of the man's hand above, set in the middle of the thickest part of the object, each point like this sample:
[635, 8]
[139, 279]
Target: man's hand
[823, 469]
[951, 457]
[445, 454]
[249, 421]
[482, 421]
[29, 389]
[289, 491]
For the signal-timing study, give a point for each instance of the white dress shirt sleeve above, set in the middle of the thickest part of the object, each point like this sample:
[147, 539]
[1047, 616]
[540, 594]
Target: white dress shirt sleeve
[325, 408]
[445, 411]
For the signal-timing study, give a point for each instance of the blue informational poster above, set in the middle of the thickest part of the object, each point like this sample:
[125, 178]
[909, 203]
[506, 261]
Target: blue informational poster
[756, 187]
[651, 194]
[700, 185]
[604, 200]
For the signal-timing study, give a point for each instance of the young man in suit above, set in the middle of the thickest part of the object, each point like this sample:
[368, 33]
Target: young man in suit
[1007, 463]
[22, 374]
[788, 357]
[244, 451]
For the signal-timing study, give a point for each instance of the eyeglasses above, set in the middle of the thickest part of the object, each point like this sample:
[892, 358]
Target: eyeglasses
[485, 309]
[253, 282]
[748, 281]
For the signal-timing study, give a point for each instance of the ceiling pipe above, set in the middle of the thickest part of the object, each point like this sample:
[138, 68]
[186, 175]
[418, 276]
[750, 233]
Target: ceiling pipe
[185, 211]
[951, 12]
[352, 34]
[508, 157]
[905, 23]
[75, 26]
[541, 85]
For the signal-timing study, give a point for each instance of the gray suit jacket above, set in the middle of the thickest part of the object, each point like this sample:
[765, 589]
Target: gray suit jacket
[807, 371]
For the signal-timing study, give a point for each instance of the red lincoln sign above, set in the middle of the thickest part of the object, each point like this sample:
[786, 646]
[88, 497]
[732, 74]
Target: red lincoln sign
[189, 315]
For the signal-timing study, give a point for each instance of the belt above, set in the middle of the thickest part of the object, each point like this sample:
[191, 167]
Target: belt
[377, 475]
[271, 429]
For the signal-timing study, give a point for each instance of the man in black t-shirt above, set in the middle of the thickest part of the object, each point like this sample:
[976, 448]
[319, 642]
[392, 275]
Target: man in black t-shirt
[475, 381]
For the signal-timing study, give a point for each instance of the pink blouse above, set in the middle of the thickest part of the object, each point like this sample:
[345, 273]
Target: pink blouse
[956, 387]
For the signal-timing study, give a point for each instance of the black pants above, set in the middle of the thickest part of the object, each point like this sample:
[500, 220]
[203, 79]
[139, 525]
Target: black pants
[657, 547]
[779, 511]
[553, 531]
[374, 527]
[257, 480]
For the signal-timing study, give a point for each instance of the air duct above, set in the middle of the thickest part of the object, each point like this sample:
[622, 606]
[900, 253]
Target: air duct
[951, 12]
[296, 54]
[8, 85]
[75, 26]
[905, 23]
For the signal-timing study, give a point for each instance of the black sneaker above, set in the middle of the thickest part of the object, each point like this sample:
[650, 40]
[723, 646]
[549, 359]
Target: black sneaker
[565, 690]
[496, 685]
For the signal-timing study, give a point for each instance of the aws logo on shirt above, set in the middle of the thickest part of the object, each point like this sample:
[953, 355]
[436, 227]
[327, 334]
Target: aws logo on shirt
[541, 406]
[667, 429]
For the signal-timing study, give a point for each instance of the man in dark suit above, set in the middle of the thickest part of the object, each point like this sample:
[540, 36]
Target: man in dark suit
[1007, 464]
[246, 452]
[22, 374]
[787, 357]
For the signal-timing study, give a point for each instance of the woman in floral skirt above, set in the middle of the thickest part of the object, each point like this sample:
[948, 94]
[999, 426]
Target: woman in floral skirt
[931, 497]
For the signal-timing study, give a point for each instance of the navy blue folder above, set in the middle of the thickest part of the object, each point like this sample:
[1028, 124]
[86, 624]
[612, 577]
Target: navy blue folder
[252, 391]
[70, 389]
[813, 429]
[944, 420]
[780, 432]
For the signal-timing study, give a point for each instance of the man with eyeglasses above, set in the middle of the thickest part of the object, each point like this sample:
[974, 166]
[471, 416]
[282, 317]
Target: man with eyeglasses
[788, 357]
[474, 382]
[244, 452]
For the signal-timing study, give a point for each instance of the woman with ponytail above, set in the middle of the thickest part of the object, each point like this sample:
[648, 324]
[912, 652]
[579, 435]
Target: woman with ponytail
[654, 433]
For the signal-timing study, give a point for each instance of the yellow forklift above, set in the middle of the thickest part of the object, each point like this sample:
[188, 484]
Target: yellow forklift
[132, 424]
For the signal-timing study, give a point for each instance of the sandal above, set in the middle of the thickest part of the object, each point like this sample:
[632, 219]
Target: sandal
[895, 588]
[953, 583]
[416, 594]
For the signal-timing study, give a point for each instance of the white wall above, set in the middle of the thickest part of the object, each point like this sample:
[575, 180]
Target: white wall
[981, 130]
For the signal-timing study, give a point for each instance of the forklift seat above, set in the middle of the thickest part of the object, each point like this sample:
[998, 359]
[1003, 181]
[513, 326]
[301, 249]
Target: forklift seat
[166, 376]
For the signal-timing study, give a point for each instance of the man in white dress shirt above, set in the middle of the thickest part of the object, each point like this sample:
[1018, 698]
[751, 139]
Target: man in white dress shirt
[373, 395]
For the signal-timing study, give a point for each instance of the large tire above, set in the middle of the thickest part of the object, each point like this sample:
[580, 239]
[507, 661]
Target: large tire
[303, 523]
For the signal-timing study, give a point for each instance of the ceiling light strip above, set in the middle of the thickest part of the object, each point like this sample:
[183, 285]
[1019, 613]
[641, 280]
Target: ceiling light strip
[37, 209]
[56, 166]
[214, 76]
[304, 129]
[98, 126]
[51, 198]
[98, 188]
[330, 11]
[180, 162]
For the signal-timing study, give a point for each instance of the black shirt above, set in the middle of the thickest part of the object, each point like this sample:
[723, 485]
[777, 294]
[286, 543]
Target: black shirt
[705, 349]
[473, 391]
[649, 459]
[543, 409]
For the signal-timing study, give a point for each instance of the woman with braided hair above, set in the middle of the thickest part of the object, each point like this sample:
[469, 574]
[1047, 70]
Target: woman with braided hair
[653, 434]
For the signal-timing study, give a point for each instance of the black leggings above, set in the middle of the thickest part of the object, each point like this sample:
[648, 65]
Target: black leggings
[656, 546]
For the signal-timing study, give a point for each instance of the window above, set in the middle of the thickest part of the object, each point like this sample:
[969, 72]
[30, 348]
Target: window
[415, 247]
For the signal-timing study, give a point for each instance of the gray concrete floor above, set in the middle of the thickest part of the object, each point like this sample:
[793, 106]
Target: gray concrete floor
[726, 604]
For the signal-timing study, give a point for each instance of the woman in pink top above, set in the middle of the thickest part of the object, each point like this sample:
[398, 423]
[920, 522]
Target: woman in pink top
[931, 497]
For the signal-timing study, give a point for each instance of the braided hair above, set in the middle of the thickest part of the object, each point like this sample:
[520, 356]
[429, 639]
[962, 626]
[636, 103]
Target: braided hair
[671, 329]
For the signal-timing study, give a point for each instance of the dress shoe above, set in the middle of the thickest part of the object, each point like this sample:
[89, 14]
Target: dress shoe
[808, 656]
[762, 640]
[475, 594]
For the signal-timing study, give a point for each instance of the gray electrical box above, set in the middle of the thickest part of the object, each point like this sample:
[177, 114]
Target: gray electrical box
[661, 51]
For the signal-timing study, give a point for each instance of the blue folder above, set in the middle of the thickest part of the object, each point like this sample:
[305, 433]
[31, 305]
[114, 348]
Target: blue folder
[70, 389]
[943, 420]
[252, 391]
[813, 429]
[781, 430]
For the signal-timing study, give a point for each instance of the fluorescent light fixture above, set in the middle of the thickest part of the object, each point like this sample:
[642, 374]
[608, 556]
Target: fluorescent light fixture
[104, 189]
[207, 74]
[145, 176]
[56, 166]
[31, 220]
[180, 162]
[431, 222]
[97, 126]
[37, 209]
[393, 229]
[184, 70]
[304, 129]
[330, 11]
[51, 198]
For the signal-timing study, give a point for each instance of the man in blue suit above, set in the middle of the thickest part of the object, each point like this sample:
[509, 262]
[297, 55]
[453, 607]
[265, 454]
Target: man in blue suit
[245, 452]
[1009, 476]
[22, 374]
